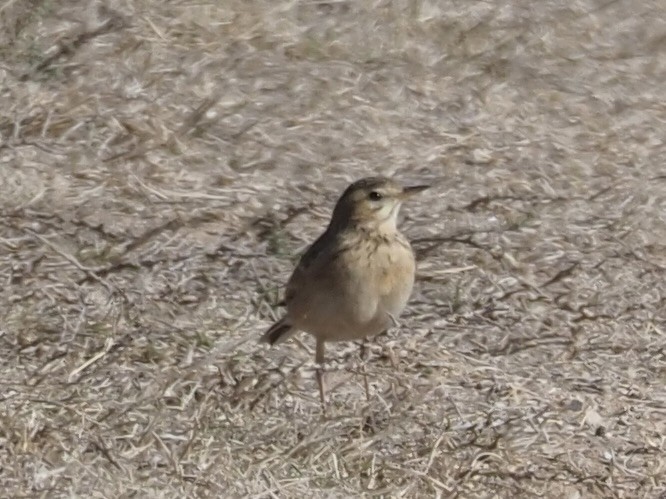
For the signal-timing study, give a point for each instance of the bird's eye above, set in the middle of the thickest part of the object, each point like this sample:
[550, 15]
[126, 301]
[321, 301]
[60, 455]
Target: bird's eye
[374, 196]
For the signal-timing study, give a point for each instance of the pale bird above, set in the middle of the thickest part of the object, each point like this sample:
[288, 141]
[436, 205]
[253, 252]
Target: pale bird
[356, 278]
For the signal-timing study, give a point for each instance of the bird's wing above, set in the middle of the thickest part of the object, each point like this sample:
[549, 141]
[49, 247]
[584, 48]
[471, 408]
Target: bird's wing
[308, 260]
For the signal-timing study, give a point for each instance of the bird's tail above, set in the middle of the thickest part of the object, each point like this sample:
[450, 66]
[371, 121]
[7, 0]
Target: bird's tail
[278, 332]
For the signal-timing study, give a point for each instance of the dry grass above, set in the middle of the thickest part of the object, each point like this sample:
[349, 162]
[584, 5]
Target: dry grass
[164, 163]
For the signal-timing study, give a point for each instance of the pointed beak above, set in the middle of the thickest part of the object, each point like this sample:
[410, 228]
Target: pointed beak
[408, 192]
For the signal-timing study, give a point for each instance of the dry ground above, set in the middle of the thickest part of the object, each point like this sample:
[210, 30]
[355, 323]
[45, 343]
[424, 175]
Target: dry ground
[163, 163]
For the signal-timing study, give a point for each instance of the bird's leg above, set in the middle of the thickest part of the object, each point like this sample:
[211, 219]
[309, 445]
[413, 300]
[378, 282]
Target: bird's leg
[319, 360]
[364, 357]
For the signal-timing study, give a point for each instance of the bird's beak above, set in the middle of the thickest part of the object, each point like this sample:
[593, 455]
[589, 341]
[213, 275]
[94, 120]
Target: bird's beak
[408, 192]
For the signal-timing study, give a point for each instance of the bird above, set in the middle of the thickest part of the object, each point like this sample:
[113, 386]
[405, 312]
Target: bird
[355, 279]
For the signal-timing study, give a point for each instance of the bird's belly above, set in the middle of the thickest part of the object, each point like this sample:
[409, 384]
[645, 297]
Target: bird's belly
[338, 320]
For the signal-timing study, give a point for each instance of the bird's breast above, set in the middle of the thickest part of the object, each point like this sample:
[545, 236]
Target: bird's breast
[386, 272]
[394, 269]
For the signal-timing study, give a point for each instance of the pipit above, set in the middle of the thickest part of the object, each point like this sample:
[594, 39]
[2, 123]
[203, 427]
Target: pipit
[356, 278]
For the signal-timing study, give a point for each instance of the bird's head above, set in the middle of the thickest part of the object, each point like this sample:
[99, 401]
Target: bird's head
[372, 202]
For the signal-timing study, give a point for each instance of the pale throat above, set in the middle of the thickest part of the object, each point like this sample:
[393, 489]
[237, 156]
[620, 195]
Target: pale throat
[388, 224]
